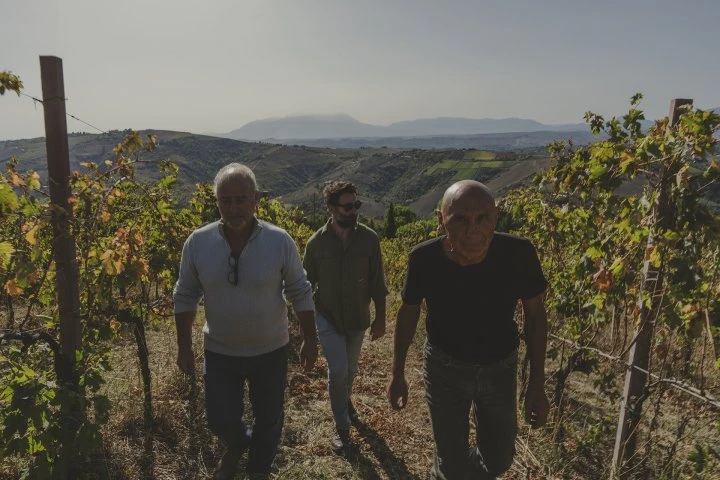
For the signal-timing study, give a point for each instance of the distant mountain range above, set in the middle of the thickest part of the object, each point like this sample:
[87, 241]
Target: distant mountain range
[307, 127]
[342, 130]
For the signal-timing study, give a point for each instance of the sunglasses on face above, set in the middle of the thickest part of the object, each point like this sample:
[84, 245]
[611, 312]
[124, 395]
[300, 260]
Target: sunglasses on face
[349, 206]
[233, 273]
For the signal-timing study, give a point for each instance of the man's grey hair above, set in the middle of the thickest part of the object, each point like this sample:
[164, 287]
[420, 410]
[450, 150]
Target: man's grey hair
[234, 170]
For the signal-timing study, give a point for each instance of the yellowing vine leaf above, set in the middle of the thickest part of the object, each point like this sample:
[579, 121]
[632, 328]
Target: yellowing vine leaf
[12, 289]
[602, 279]
[33, 181]
[111, 262]
[16, 179]
[6, 251]
[31, 235]
[114, 326]
[690, 311]
[654, 256]
[8, 199]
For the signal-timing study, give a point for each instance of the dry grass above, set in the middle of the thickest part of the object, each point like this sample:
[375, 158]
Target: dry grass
[388, 444]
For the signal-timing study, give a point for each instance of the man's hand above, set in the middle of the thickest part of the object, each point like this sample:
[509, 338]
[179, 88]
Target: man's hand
[186, 356]
[377, 329]
[537, 407]
[309, 346]
[407, 319]
[186, 361]
[398, 392]
[308, 354]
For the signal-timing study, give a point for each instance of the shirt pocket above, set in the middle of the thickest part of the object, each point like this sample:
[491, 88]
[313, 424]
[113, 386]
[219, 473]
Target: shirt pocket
[328, 267]
[359, 264]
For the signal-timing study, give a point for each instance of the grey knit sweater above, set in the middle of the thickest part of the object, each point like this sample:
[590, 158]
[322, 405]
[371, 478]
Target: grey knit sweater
[249, 318]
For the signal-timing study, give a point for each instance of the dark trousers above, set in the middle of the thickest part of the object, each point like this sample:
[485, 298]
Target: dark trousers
[452, 387]
[225, 378]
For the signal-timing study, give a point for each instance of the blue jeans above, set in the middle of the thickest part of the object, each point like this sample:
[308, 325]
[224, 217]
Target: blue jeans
[451, 388]
[225, 378]
[342, 352]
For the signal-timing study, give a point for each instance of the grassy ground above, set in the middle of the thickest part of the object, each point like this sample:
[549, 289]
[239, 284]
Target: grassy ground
[387, 444]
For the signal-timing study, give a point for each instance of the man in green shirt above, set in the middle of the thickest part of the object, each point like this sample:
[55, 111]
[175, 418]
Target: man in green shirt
[344, 265]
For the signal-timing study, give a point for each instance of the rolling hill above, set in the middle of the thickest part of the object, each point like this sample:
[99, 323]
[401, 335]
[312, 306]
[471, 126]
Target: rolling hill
[296, 174]
[508, 142]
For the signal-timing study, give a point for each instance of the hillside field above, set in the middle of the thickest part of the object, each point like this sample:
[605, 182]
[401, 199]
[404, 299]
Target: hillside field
[296, 174]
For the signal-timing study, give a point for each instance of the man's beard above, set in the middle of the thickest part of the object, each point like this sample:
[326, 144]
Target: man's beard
[347, 222]
[237, 226]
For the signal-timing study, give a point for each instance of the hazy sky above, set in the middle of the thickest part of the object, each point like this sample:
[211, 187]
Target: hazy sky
[214, 65]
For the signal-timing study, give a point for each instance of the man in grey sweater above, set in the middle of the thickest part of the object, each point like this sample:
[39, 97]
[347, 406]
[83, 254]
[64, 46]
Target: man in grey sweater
[245, 269]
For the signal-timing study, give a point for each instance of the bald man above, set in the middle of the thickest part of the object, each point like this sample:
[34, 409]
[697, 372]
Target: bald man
[471, 279]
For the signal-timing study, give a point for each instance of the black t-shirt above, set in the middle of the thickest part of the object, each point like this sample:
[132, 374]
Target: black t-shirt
[471, 308]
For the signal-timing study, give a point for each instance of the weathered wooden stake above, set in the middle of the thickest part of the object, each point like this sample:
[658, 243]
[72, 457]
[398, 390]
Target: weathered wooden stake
[64, 250]
[636, 378]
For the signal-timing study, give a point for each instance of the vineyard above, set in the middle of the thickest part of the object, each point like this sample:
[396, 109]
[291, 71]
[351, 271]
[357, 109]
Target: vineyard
[634, 278]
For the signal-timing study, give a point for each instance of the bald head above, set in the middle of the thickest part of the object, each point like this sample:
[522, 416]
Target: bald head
[468, 216]
[464, 190]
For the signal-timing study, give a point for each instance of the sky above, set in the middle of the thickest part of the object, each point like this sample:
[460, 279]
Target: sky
[212, 66]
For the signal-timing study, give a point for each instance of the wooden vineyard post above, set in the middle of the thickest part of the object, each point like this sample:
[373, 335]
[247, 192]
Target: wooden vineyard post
[64, 250]
[649, 305]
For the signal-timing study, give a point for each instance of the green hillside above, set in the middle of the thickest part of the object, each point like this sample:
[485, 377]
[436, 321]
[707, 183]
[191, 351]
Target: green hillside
[295, 173]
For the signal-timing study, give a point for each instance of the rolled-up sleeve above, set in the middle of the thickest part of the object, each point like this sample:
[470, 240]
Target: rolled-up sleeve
[188, 290]
[296, 287]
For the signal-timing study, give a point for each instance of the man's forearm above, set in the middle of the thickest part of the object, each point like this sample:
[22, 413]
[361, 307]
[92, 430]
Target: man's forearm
[183, 325]
[380, 308]
[306, 318]
[536, 340]
[405, 327]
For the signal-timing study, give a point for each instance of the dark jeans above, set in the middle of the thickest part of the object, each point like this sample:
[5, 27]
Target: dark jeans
[225, 378]
[451, 388]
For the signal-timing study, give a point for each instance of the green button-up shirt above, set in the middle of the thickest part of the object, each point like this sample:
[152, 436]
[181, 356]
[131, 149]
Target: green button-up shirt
[345, 278]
